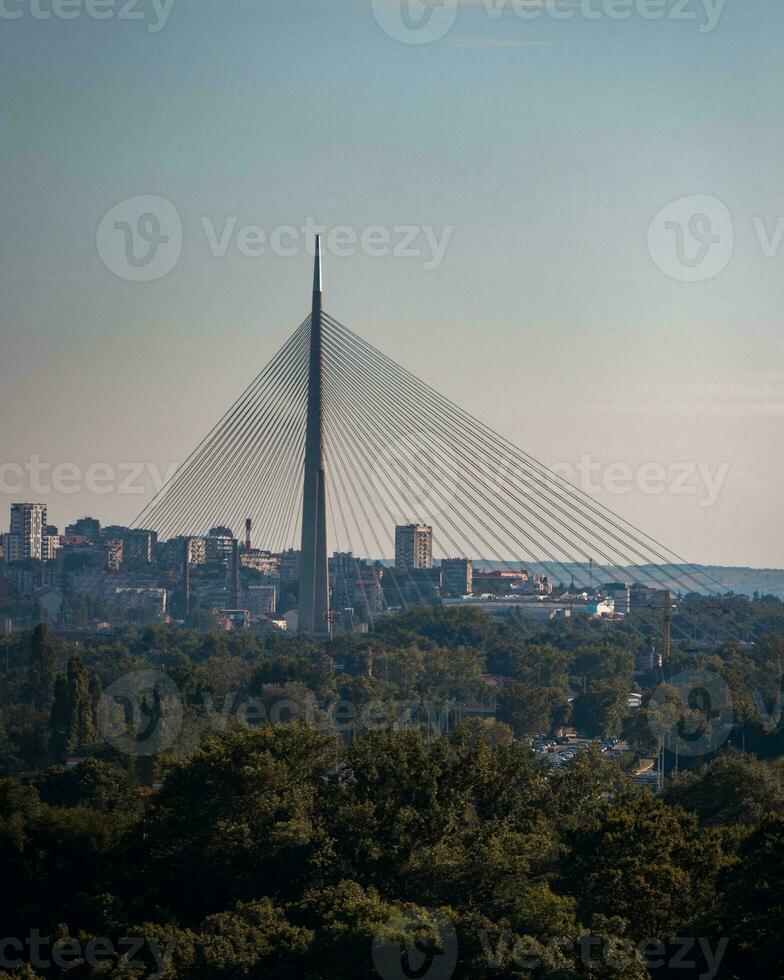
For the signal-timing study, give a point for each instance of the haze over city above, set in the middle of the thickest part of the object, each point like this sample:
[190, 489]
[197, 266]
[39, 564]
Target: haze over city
[528, 159]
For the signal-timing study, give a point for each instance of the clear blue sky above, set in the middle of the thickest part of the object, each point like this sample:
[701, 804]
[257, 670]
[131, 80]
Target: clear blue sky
[548, 146]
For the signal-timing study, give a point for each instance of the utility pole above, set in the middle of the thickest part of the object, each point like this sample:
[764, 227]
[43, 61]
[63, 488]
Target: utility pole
[667, 626]
[186, 576]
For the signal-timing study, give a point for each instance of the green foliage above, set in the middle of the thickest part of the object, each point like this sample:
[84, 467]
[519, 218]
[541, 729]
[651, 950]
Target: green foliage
[733, 790]
[282, 850]
[600, 710]
[238, 817]
[529, 710]
[43, 667]
[753, 903]
[628, 861]
[94, 783]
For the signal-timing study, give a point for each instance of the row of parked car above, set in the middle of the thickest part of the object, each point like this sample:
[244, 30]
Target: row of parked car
[562, 750]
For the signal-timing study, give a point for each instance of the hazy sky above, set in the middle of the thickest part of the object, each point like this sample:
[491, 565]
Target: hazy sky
[542, 147]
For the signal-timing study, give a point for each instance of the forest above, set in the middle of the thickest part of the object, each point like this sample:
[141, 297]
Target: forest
[176, 804]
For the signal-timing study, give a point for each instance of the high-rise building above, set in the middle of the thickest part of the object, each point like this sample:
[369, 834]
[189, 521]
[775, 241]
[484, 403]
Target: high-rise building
[289, 566]
[138, 547]
[26, 539]
[220, 544]
[85, 527]
[174, 550]
[457, 577]
[197, 551]
[355, 582]
[413, 546]
[51, 545]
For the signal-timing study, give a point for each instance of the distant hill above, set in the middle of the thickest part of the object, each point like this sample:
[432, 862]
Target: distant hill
[747, 581]
[741, 581]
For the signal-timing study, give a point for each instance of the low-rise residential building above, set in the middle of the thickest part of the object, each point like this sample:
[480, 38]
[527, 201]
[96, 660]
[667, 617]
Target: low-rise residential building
[112, 554]
[261, 599]
[142, 605]
[86, 527]
[499, 581]
[263, 562]
[25, 578]
[233, 619]
[540, 608]
[288, 566]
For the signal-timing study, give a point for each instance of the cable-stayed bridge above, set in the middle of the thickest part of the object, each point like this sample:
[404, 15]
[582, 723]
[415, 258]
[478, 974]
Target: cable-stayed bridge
[333, 445]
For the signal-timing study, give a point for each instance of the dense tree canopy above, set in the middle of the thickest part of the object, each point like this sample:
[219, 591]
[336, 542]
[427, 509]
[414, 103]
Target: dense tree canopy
[374, 808]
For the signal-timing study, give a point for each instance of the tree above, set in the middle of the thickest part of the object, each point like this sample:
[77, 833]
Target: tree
[753, 914]
[628, 861]
[43, 667]
[81, 722]
[528, 709]
[600, 711]
[59, 721]
[238, 820]
[251, 940]
[734, 789]
[356, 930]
[72, 718]
[93, 783]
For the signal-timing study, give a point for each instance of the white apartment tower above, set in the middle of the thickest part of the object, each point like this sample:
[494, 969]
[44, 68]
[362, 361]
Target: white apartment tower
[27, 538]
[413, 546]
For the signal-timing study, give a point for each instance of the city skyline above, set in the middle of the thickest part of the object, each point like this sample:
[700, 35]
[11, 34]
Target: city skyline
[542, 310]
[391, 577]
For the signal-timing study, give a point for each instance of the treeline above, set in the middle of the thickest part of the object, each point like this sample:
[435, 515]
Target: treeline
[239, 849]
[281, 852]
[447, 662]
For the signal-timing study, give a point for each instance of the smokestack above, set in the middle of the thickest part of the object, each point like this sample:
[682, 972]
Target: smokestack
[248, 526]
[235, 573]
[186, 576]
